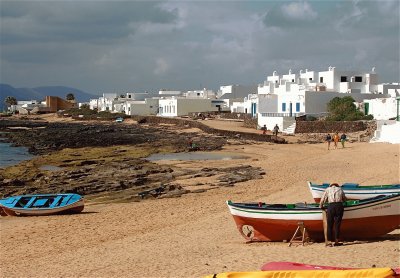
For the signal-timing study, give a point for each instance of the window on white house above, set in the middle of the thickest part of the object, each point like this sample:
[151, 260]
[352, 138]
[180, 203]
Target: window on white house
[343, 79]
[297, 106]
[358, 79]
[321, 79]
[283, 106]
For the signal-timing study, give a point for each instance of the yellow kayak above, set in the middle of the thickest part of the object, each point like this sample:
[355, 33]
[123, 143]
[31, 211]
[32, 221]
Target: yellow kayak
[353, 273]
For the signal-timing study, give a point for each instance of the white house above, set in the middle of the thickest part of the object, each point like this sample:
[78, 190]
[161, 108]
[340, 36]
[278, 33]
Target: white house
[26, 104]
[380, 108]
[200, 94]
[234, 97]
[236, 91]
[115, 102]
[149, 106]
[104, 103]
[172, 107]
[282, 98]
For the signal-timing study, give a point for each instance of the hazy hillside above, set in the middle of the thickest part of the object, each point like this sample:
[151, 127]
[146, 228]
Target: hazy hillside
[39, 93]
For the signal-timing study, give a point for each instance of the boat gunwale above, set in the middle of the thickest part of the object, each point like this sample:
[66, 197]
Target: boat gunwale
[361, 204]
[357, 187]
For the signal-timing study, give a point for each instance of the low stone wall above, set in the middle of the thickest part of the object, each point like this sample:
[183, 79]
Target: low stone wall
[205, 128]
[334, 126]
[250, 123]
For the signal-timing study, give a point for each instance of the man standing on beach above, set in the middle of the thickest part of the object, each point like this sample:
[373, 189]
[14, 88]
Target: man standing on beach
[276, 129]
[328, 139]
[343, 138]
[335, 196]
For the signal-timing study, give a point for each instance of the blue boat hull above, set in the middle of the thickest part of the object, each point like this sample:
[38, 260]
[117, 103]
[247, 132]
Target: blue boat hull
[41, 204]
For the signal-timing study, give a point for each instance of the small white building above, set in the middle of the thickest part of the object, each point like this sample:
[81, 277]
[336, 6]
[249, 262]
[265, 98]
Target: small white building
[104, 103]
[200, 94]
[26, 104]
[149, 106]
[172, 107]
[380, 108]
[235, 97]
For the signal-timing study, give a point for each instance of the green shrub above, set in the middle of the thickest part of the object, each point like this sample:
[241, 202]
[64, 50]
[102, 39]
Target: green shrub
[344, 109]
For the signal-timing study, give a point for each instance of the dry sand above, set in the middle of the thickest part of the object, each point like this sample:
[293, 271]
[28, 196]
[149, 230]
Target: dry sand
[195, 235]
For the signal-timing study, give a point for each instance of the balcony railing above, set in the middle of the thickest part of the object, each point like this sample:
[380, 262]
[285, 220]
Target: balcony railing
[297, 114]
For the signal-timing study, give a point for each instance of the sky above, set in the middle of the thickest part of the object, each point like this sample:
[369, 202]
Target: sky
[137, 46]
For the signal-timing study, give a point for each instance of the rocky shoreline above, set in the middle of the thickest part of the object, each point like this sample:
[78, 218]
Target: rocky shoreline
[105, 161]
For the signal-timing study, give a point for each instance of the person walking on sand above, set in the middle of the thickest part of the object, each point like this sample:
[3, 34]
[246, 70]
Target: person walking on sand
[343, 138]
[276, 129]
[328, 139]
[335, 196]
[264, 129]
[335, 140]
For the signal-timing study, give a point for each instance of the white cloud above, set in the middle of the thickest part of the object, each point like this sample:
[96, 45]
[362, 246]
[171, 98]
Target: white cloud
[147, 45]
[162, 66]
[299, 11]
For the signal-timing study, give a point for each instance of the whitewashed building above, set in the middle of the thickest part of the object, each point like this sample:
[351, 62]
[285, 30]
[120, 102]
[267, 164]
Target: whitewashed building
[173, 107]
[104, 103]
[149, 106]
[282, 98]
[234, 97]
[200, 94]
[114, 102]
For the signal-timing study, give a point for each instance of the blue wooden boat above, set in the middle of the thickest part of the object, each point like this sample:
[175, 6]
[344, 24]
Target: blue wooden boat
[41, 204]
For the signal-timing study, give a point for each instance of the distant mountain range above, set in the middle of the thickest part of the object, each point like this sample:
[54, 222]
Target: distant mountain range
[39, 93]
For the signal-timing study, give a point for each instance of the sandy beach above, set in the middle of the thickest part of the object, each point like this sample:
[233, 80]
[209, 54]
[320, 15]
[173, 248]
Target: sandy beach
[195, 235]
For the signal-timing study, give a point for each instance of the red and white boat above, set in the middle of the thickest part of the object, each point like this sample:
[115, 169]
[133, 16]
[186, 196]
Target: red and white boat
[362, 219]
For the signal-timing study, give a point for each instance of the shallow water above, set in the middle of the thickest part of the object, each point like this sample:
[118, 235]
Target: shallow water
[195, 156]
[12, 155]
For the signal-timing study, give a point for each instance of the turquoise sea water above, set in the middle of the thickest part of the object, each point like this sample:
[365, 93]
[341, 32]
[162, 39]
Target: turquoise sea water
[12, 155]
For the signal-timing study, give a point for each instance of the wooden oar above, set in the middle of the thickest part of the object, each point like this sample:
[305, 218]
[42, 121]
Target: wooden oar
[325, 224]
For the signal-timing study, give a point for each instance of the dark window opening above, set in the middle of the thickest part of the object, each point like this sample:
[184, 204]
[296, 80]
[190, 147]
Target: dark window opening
[321, 79]
[343, 79]
[310, 78]
[358, 78]
[292, 80]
